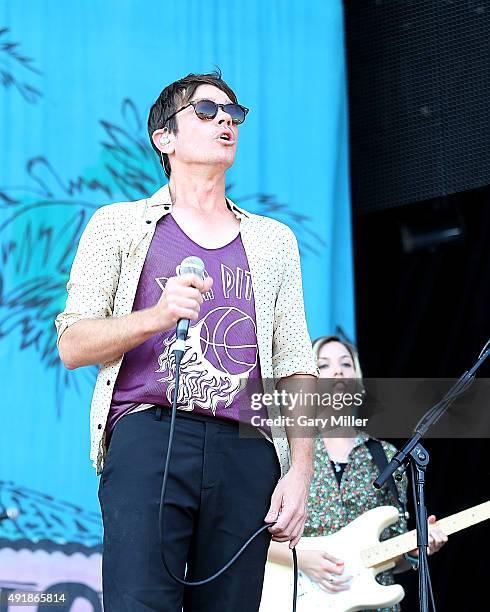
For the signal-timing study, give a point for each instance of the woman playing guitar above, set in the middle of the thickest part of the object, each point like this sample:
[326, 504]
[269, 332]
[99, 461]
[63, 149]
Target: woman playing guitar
[341, 489]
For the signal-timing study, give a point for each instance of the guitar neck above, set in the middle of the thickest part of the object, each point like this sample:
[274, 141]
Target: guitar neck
[390, 549]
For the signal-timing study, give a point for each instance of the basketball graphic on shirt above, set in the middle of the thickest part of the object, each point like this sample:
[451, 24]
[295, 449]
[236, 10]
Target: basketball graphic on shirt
[217, 360]
[222, 333]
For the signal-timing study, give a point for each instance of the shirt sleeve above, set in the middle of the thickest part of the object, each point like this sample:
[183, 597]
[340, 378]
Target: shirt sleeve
[291, 343]
[94, 274]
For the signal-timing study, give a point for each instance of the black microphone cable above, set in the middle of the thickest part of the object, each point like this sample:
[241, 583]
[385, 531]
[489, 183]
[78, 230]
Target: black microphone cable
[178, 357]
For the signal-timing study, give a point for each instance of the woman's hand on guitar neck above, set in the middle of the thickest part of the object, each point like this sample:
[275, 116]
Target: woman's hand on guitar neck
[437, 538]
[324, 569]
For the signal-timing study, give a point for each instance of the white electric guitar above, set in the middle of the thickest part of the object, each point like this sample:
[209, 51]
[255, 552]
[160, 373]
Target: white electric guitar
[364, 555]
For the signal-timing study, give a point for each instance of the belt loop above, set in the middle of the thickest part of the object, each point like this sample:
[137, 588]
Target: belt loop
[158, 413]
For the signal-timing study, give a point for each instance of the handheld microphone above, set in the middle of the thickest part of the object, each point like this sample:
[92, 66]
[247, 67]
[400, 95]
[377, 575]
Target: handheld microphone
[190, 265]
[9, 513]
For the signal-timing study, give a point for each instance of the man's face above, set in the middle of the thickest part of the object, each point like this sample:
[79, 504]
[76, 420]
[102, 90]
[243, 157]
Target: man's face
[198, 141]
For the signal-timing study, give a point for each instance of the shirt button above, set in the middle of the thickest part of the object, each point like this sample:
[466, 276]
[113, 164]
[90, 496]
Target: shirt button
[99, 426]
[108, 382]
[148, 221]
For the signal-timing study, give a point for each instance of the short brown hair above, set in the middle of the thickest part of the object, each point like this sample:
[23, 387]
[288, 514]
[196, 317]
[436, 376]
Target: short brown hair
[174, 96]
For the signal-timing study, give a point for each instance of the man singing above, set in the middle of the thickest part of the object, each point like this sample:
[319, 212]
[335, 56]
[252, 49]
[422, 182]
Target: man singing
[247, 322]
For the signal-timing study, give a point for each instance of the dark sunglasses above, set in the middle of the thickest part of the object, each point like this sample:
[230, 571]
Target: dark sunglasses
[207, 109]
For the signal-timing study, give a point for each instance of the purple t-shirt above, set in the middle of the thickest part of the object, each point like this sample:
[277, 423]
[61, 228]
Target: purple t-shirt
[221, 350]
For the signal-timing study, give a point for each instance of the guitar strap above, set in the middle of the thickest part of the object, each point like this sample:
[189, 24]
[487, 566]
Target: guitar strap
[381, 461]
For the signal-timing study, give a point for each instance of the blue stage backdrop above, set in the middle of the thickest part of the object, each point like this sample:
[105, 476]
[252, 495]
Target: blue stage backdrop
[76, 83]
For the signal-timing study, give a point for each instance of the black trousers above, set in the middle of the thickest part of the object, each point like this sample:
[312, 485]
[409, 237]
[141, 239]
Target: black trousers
[218, 493]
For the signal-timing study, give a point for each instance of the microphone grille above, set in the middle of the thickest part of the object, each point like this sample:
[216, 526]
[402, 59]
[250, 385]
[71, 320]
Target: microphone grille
[191, 265]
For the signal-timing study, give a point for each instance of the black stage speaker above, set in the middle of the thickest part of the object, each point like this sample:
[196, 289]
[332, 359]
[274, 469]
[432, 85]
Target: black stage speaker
[419, 99]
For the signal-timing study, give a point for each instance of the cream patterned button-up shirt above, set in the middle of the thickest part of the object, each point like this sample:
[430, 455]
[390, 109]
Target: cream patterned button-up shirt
[104, 279]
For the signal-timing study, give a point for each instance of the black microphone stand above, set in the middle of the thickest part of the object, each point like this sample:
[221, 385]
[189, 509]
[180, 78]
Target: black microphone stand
[413, 453]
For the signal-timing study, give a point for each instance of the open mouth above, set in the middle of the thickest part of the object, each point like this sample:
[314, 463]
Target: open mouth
[226, 137]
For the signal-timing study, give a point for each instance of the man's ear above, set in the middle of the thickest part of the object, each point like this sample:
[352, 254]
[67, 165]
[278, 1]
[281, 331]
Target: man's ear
[163, 140]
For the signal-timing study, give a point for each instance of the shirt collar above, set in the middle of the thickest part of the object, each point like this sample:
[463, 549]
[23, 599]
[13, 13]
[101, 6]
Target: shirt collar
[362, 438]
[162, 198]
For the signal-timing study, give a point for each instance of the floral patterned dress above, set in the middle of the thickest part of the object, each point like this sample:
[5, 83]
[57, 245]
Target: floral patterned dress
[331, 507]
